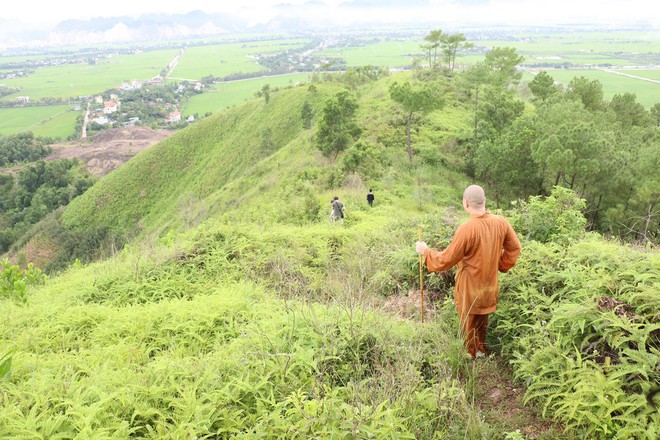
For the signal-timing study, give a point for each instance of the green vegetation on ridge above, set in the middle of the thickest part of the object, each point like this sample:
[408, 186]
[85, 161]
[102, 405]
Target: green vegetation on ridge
[186, 167]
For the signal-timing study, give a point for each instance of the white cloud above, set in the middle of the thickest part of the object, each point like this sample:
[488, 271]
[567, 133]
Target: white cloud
[566, 11]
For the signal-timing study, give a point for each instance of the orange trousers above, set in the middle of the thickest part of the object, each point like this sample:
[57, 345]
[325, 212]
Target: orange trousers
[473, 328]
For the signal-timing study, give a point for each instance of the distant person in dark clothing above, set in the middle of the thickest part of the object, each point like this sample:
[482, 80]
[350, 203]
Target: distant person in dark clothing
[370, 198]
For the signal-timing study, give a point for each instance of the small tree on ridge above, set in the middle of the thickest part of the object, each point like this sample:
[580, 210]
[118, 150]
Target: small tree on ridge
[416, 99]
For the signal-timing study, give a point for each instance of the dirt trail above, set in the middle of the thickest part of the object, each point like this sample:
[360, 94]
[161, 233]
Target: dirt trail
[501, 403]
[83, 132]
[110, 148]
[499, 400]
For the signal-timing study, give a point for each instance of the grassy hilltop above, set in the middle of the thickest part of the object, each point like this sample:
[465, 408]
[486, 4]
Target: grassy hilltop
[237, 310]
[244, 160]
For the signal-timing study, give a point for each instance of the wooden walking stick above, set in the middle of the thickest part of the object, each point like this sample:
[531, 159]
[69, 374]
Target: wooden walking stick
[421, 274]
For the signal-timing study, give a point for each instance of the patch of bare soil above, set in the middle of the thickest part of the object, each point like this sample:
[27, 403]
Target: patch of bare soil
[37, 250]
[501, 403]
[110, 148]
[410, 306]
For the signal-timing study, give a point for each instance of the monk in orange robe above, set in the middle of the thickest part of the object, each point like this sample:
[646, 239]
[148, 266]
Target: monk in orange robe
[481, 247]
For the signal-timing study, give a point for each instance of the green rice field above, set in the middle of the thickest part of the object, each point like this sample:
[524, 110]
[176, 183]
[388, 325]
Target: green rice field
[56, 121]
[232, 38]
[589, 48]
[236, 92]
[223, 59]
[603, 61]
[633, 41]
[19, 59]
[387, 53]
[618, 48]
[73, 80]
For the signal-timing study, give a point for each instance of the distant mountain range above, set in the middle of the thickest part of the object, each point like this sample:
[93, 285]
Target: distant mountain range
[151, 27]
[313, 14]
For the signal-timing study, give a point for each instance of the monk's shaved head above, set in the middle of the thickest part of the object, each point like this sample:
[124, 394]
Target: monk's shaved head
[475, 196]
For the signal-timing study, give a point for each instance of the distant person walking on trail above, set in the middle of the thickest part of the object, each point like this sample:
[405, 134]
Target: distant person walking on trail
[370, 198]
[481, 247]
[337, 210]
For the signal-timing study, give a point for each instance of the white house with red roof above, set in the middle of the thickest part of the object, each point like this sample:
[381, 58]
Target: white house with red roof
[110, 107]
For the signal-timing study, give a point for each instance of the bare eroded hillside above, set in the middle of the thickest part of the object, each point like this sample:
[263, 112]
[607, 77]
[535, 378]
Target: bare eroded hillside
[111, 148]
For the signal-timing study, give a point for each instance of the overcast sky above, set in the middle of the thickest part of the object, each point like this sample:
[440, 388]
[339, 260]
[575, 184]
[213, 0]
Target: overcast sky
[512, 11]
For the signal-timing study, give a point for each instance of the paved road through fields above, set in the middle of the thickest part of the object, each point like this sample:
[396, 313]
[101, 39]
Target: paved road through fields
[630, 76]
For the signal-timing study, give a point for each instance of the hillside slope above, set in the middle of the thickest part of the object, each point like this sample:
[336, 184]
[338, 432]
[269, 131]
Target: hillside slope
[192, 164]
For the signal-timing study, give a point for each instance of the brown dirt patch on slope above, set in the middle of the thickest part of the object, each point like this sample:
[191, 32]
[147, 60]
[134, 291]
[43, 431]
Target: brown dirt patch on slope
[110, 148]
[37, 250]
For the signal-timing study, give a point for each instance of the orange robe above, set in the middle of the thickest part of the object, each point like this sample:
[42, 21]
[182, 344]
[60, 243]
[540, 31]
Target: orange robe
[481, 247]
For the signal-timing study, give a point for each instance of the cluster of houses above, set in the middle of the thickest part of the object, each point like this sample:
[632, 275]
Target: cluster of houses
[103, 109]
[15, 74]
[101, 114]
[174, 115]
[130, 85]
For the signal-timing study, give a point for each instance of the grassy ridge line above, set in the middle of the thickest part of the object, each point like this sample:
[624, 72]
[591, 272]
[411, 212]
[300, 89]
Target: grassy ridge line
[191, 165]
[295, 184]
[251, 159]
[231, 93]
[257, 156]
[336, 368]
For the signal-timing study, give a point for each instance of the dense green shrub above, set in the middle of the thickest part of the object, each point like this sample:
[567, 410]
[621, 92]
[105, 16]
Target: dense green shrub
[556, 218]
[580, 325]
[14, 281]
[365, 158]
[22, 147]
[36, 191]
